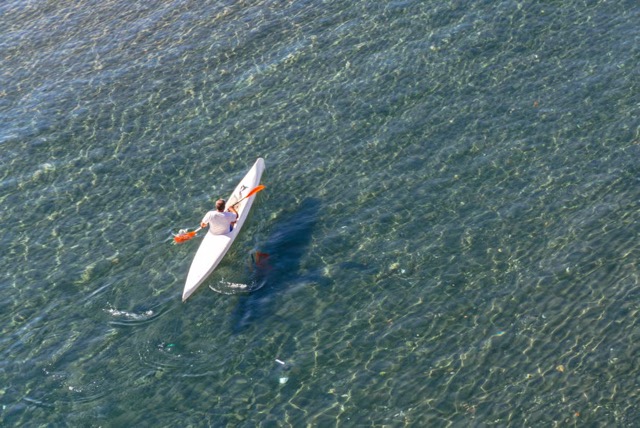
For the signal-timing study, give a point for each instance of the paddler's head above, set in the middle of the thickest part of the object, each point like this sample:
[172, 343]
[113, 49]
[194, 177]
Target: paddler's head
[220, 204]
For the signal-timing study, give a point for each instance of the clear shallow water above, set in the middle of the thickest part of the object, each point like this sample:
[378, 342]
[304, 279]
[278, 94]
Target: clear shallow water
[451, 213]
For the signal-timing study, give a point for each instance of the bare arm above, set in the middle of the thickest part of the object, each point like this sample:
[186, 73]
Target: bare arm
[233, 210]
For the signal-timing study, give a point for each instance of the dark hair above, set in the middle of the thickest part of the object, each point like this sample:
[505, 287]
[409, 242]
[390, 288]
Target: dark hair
[220, 204]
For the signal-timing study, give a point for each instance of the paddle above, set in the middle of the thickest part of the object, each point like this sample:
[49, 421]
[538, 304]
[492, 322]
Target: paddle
[185, 236]
[251, 193]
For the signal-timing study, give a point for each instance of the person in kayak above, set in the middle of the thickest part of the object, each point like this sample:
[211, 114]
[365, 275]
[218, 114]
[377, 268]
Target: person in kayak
[220, 221]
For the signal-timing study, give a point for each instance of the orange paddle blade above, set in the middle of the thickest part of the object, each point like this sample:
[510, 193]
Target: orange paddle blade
[251, 193]
[255, 190]
[183, 237]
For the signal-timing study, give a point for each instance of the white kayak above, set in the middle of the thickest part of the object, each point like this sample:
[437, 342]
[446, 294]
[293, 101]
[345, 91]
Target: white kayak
[214, 247]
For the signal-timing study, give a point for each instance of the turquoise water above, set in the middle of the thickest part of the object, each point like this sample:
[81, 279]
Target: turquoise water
[451, 213]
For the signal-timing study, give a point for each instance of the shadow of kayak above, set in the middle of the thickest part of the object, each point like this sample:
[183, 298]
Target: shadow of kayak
[278, 263]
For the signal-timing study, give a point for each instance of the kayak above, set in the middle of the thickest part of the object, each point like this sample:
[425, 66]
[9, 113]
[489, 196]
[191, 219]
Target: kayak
[213, 247]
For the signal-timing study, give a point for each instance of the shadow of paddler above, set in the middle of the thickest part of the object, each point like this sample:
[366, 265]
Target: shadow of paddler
[278, 263]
